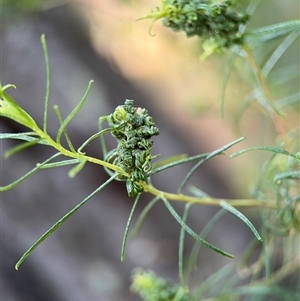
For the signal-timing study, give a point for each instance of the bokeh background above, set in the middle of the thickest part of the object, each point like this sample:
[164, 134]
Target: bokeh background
[100, 40]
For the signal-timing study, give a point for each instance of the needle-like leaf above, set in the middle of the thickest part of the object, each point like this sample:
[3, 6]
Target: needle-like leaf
[59, 223]
[191, 232]
[241, 216]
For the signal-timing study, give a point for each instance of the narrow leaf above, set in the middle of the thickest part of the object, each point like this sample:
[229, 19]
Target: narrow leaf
[172, 164]
[198, 192]
[292, 99]
[99, 134]
[287, 175]
[268, 33]
[128, 226]
[208, 157]
[241, 216]
[14, 150]
[75, 170]
[102, 140]
[10, 109]
[59, 223]
[277, 53]
[17, 182]
[181, 246]
[27, 136]
[191, 232]
[60, 163]
[215, 280]
[56, 109]
[169, 160]
[47, 94]
[135, 231]
[266, 148]
[73, 113]
[196, 249]
[225, 79]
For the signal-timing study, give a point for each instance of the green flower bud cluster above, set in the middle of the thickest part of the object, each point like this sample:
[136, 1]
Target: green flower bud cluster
[132, 127]
[214, 21]
[152, 288]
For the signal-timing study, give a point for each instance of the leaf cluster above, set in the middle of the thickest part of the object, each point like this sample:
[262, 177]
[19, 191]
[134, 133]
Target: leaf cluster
[132, 127]
[276, 190]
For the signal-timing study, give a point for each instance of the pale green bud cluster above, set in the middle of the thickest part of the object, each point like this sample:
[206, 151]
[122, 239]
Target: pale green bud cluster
[153, 288]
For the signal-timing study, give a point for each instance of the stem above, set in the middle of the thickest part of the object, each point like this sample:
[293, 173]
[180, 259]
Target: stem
[207, 201]
[149, 188]
[76, 155]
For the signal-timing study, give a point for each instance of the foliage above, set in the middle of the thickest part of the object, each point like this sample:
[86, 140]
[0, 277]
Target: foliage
[217, 23]
[276, 191]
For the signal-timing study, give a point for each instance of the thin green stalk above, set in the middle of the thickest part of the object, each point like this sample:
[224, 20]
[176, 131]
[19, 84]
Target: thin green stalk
[208, 201]
[76, 155]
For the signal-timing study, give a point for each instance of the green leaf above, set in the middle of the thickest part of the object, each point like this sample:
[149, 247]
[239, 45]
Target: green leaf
[17, 182]
[74, 112]
[14, 150]
[265, 289]
[60, 222]
[24, 136]
[60, 163]
[10, 109]
[266, 148]
[226, 75]
[277, 54]
[128, 226]
[241, 216]
[215, 281]
[287, 175]
[135, 231]
[195, 251]
[292, 99]
[47, 95]
[181, 247]
[175, 163]
[75, 170]
[99, 134]
[198, 192]
[208, 157]
[266, 34]
[168, 160]
[56, 109]
[191, 232]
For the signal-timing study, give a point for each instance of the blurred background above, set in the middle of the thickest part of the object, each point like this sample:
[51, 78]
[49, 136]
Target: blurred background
[100, 40]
